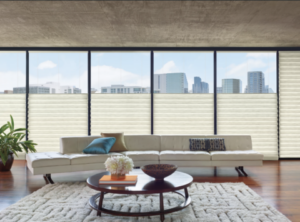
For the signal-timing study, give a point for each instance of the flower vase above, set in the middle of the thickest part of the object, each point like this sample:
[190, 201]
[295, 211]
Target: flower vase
[117, 176]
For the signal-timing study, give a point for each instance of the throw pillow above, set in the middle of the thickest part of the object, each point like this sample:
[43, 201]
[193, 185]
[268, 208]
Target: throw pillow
[207, 144]
[100, 146]
[119, 145]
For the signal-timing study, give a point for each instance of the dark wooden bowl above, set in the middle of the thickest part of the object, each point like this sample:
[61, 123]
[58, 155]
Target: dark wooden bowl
[159, 171]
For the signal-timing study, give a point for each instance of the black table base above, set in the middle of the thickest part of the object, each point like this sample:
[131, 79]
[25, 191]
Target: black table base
[162, 212]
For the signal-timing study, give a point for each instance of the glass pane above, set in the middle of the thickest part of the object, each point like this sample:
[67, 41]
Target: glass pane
[121, 97]
[183, 93]
[247, 100]
[246, 72]
[58, 97]
[12, 76]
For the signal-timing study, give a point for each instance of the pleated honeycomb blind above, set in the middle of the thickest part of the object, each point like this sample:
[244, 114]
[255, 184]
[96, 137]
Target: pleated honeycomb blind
[128, 113]
[184, 114]
[289, 101]
[13, 104]
[250, 114]
[52, 116]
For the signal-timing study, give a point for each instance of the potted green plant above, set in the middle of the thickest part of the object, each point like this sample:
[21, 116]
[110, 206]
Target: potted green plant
[11, 142]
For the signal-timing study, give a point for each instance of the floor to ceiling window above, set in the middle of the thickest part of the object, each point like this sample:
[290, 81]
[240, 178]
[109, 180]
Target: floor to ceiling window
[289, 104]
[183, 93]
[57, 97]
[120, 87]
[13, 76]
[247, 98]
[183, 99]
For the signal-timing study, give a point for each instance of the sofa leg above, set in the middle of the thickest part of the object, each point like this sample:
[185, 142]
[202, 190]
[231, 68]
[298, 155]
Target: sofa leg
[48, 179]
[241, 168]
[215, 171]
[237, 170]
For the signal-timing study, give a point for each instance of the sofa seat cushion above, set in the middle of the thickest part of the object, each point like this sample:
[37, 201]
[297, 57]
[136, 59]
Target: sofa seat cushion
[142, 155]
[47, 159]
[81, 158]
[184, 155]
[236, 155]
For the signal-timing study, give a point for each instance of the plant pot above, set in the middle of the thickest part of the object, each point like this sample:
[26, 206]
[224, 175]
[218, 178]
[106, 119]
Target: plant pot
[9, 163]
[118, 176]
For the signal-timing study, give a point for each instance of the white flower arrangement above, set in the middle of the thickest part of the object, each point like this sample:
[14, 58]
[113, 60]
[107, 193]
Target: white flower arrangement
[119, 164]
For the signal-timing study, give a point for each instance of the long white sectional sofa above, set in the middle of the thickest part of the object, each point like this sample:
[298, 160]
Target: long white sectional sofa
[146, 149]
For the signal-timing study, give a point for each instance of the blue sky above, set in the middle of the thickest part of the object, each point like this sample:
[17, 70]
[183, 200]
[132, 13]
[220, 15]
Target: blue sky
[132, 68]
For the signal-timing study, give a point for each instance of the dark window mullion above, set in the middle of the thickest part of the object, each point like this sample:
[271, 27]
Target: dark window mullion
[215, 93]
[27, 92]
[89, 92]
[152, 87]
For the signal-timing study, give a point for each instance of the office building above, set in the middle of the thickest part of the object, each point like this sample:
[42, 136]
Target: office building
[219, 90]
[231, 86]
[124, 89]
[170, 83]
[256, 82]
[199, 86]
[48, 88]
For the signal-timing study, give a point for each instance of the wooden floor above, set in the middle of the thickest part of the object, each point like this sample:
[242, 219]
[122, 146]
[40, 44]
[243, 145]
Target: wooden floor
[278, 182]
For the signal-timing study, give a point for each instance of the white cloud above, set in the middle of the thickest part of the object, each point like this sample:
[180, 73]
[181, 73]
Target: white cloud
[108, 75]
[169, 67]
[240, 70]
[47, 65]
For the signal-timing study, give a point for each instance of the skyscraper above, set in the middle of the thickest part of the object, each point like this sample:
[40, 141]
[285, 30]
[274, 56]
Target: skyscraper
[204, 87]
[256, 82]
[199, 86]
[170, 83]
[231, 86]
[219, 90]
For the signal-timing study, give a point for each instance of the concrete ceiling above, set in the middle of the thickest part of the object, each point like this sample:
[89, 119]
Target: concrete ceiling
[149, 23]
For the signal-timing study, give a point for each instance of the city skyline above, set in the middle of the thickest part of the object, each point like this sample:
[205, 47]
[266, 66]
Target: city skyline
[131, 69]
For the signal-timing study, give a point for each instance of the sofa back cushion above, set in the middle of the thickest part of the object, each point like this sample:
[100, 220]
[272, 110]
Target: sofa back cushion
[155, 142]
[75, 144]
[142, 142]
[181, 142]
[133, 143]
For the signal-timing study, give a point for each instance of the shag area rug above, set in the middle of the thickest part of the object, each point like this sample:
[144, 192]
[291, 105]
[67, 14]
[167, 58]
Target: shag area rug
[211, 202]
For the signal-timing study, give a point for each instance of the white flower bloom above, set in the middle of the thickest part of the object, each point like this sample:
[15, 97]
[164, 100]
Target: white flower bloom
[119, 164]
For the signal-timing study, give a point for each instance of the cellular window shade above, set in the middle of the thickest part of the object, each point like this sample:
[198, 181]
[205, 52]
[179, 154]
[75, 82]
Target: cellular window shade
[13, 104]
[289, 104]
[128, 113]
[184, 114]
[250, 114]
[52, 116]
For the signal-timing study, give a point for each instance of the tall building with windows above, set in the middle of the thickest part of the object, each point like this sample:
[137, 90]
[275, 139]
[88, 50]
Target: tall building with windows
[170, 83]
[197, 85]
[124, 89]
[204, 87]
[219, 90]
[200, 86]
[256, 82]
[231, 86]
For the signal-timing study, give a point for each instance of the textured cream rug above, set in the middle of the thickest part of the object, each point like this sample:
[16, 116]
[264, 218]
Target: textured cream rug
[211, 202]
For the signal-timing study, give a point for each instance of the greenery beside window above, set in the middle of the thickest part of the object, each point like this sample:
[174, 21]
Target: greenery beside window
[11, 142]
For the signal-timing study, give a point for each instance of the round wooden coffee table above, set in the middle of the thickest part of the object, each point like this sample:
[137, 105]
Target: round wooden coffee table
[145, 185]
